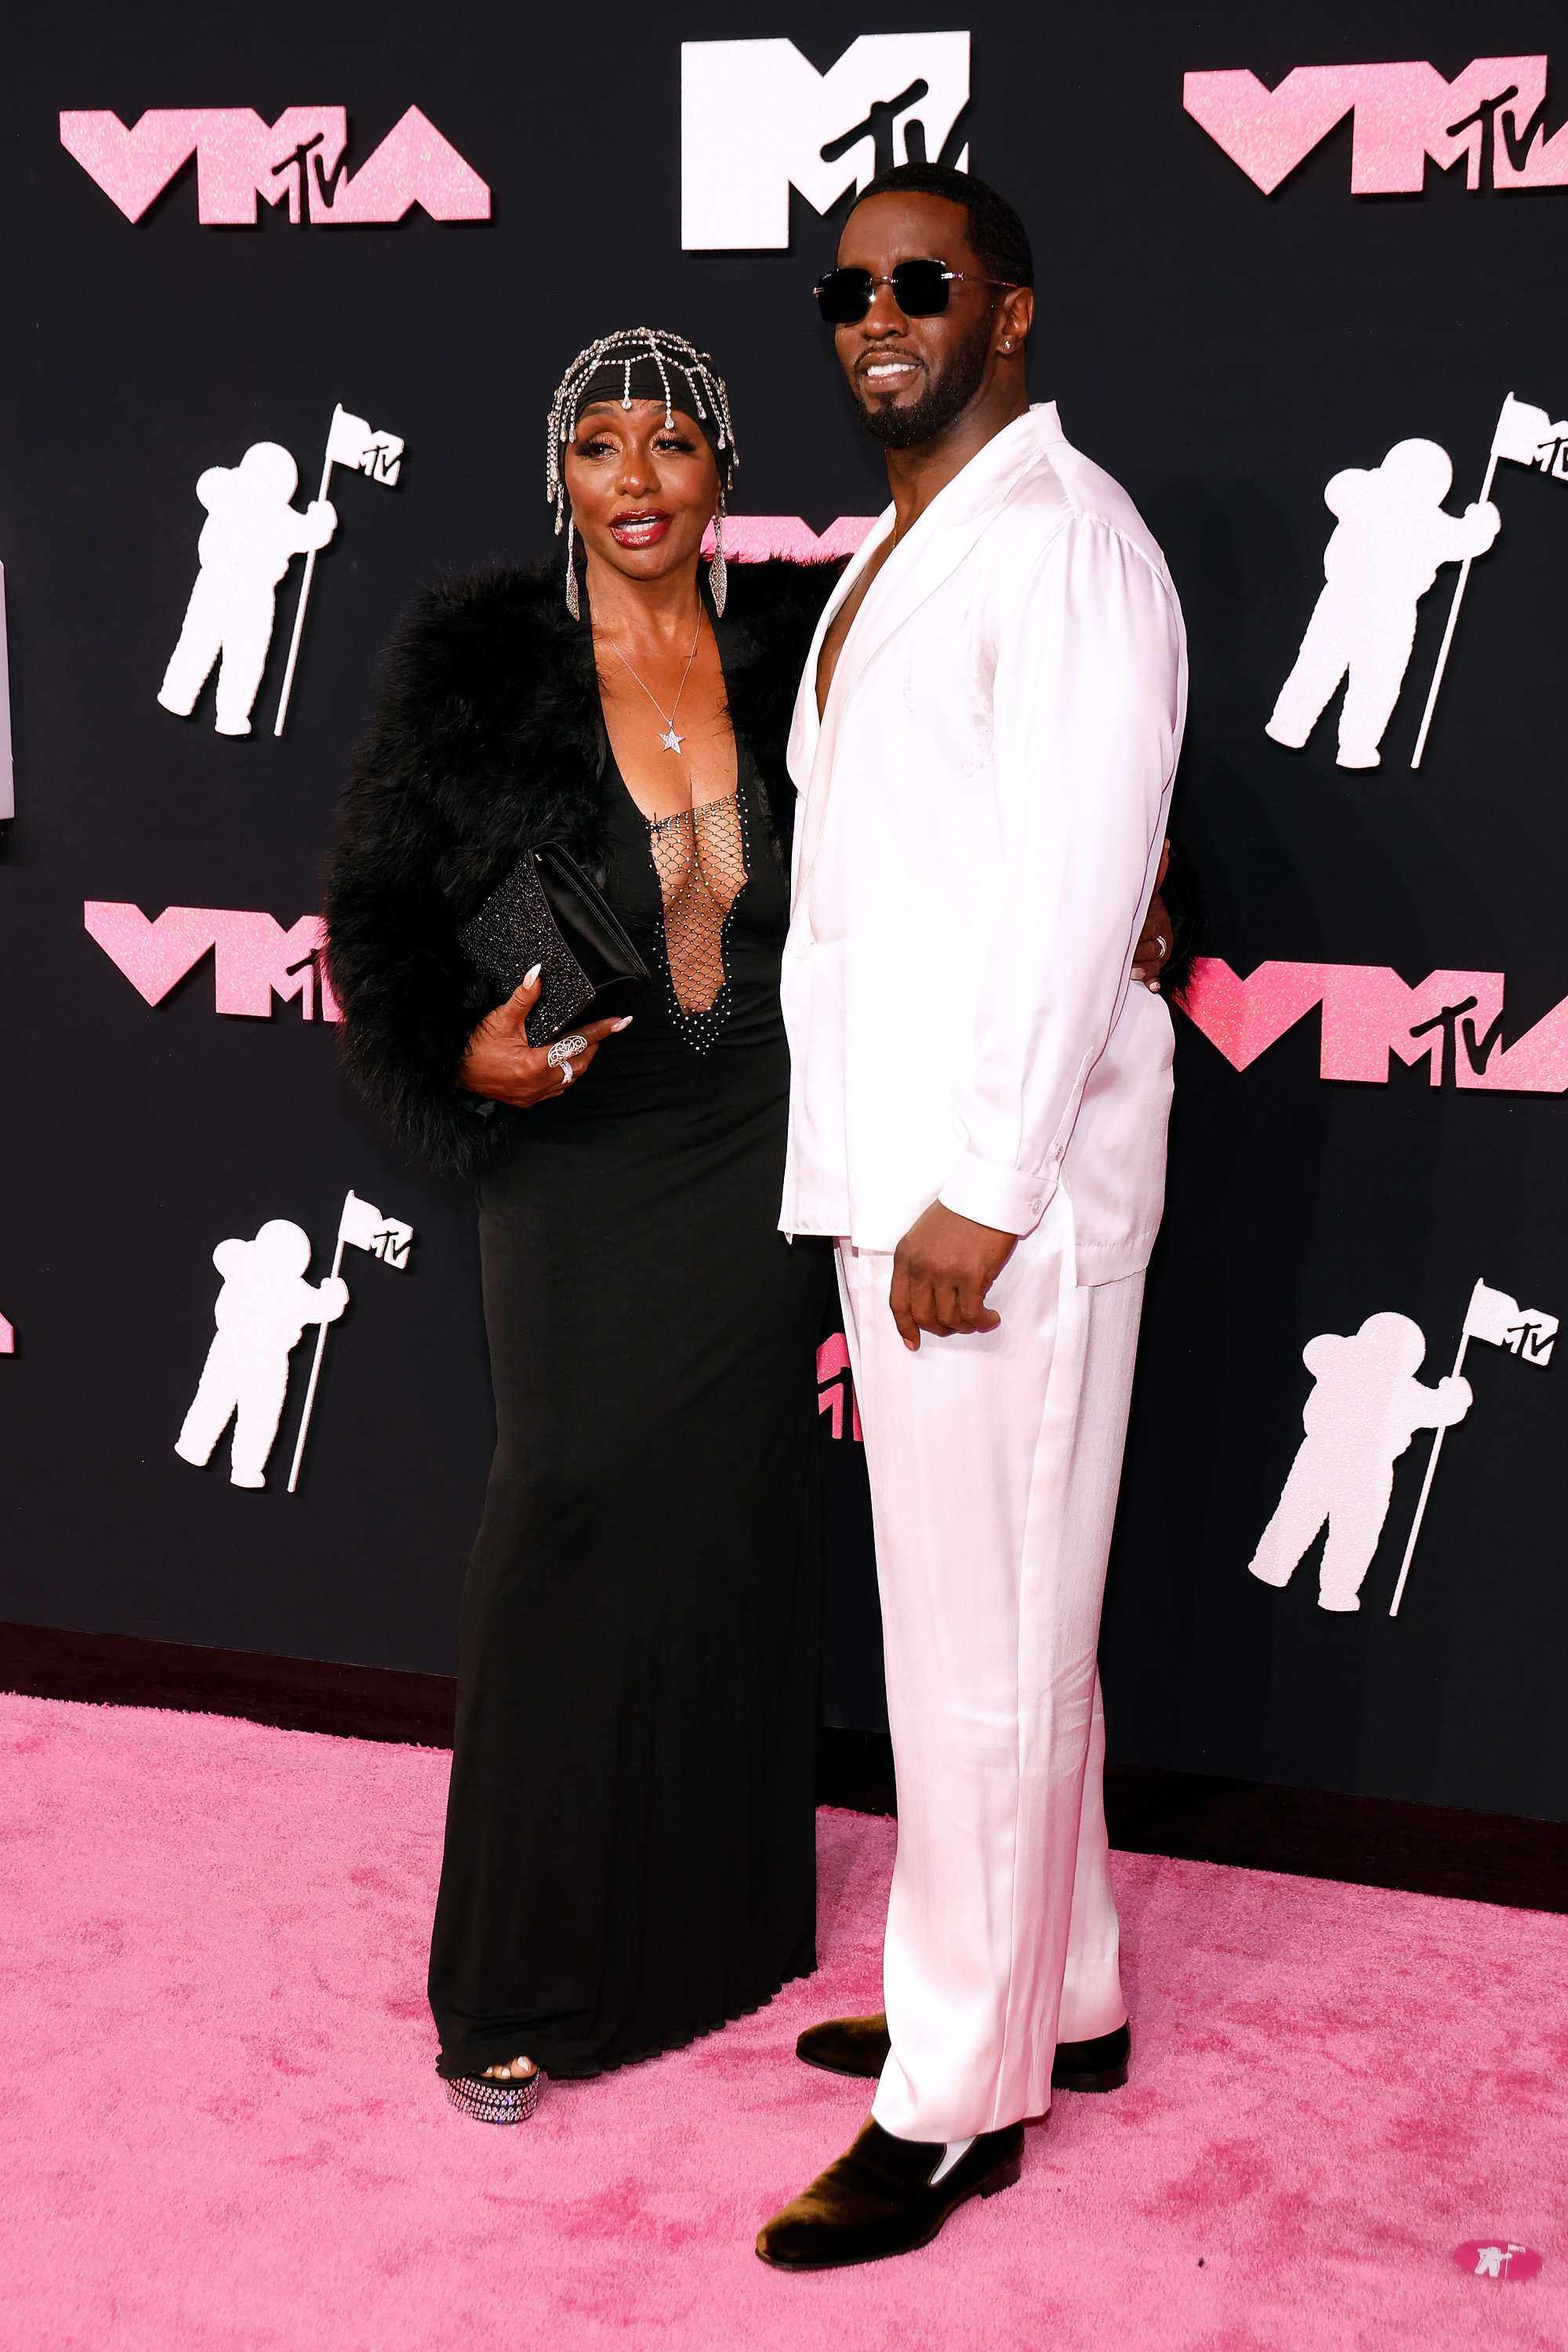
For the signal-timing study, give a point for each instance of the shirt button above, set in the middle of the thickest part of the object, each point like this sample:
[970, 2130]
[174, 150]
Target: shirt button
[1034, 1207]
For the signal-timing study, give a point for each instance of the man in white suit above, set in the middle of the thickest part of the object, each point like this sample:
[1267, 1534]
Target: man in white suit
[985, 744]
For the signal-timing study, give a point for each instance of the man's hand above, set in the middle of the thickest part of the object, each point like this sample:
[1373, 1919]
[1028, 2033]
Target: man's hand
[941, 1271]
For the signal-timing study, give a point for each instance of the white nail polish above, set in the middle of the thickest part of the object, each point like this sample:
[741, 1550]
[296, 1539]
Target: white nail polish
[624, 1022]
[530, 977]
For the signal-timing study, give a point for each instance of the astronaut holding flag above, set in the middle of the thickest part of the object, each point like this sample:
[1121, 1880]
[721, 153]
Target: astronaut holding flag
[1365, 1407]
[252, 533]
[379, 455]
[362, 1226]
[1392, 535]
[261, 1313]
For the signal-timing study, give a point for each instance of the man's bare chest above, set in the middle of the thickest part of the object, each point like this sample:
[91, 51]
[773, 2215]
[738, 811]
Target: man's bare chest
[842, 621]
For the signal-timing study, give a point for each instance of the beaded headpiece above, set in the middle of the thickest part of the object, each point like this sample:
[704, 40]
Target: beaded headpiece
[621, 352]
[633, 351]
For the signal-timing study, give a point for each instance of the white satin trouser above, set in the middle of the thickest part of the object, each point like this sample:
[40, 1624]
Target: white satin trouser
[994, 1461]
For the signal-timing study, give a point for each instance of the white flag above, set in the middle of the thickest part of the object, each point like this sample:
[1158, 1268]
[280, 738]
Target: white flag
[1520, 430]
[1528, 436]
[1501, 1321]
[387, 1238]
[352, 442]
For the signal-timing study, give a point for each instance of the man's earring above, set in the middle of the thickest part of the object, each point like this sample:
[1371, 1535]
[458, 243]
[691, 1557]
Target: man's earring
[574, 597]
[718, 571]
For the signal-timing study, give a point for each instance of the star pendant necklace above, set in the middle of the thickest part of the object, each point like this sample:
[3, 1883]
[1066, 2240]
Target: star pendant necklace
[669, 740]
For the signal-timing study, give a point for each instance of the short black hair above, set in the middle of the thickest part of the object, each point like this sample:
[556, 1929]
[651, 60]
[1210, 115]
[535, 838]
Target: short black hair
[996, 232]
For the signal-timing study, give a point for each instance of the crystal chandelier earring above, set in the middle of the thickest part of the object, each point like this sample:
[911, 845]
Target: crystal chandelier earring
[574, 594]
[718, 570]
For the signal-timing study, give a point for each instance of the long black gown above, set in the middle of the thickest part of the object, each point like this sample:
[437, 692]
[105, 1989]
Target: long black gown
[629, 1837]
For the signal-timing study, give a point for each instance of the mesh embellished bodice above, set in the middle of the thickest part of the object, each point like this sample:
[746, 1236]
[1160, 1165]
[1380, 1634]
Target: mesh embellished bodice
[706, 898]
[700, 858]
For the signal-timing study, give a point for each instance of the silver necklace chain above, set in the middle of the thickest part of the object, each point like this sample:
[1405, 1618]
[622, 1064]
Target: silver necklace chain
[669, 740]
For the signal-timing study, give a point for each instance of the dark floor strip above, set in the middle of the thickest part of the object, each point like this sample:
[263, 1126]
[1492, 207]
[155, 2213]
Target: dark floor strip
[1307, 1833]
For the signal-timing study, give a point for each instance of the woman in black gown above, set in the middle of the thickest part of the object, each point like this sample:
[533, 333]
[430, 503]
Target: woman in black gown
[629, 1839]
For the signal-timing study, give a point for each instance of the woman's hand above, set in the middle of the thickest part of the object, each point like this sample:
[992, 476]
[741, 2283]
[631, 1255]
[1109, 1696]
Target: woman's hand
[501, 1064]
[1153, 953]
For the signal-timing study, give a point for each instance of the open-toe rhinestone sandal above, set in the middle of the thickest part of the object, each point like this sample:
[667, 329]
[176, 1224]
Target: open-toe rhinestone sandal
[495, 2099]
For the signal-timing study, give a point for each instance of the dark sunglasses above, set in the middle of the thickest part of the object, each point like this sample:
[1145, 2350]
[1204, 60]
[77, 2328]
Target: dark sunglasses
[920, 290]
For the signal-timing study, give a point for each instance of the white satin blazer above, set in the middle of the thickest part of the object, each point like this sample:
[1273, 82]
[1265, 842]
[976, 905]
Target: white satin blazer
[982, 806]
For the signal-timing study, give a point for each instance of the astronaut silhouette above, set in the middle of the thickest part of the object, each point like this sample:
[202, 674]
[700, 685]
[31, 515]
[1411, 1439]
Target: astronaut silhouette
[1365, 1408]
[251, 535]
[261, 1313]
[1391, 536]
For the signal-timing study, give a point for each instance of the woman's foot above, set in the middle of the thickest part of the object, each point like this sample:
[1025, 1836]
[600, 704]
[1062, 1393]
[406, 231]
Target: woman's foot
[507, 2093]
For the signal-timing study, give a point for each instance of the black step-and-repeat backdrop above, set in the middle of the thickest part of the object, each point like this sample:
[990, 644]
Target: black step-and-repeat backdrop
[271, 363]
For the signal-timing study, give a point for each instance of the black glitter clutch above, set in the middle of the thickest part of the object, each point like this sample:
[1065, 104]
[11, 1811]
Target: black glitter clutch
[547, 912]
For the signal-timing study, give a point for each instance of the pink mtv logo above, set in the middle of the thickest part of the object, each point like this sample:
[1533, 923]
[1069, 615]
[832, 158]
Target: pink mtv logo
[255, 959]
[299, 160]
[1451, 1020]
[1491, 118]
[754, 539]
[834, 1384]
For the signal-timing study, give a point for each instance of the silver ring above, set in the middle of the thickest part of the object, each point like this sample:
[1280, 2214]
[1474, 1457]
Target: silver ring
[563, 1050]
[1161, 943]
[567, 1073]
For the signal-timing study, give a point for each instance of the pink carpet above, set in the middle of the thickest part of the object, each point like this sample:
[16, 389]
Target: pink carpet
[220, 2128]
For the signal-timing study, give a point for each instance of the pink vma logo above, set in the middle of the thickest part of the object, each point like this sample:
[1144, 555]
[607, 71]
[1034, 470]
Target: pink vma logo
[299, 160]
[255, 960]
[755, 538]
[1453, 1021]
[1491, 118]
[835, 1382]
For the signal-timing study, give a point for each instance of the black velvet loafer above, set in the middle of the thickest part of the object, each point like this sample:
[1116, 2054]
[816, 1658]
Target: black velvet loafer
[881, 2199]
[860, 2046]
[1097, 2066]
[846, 2045]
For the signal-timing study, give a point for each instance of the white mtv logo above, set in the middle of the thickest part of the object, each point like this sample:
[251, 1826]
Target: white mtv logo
[757, 119]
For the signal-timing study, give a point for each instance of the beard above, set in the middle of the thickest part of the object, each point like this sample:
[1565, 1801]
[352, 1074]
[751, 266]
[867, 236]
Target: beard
[941, 405]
